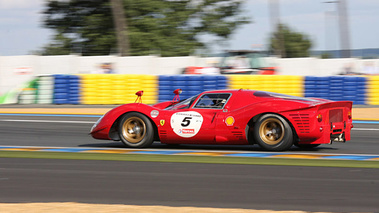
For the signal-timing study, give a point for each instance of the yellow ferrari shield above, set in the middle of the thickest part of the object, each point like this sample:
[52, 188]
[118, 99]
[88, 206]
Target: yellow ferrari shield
[162, 122]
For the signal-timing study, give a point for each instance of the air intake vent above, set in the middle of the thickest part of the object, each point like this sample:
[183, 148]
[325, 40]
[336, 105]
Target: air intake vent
[302, 122]
[238, 134]
[163, 134]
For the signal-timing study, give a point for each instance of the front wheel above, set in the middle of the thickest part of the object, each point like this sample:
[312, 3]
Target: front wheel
[272, 132]
[136, 130]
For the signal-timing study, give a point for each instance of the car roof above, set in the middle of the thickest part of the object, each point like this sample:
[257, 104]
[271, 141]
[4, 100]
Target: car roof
[232, 91]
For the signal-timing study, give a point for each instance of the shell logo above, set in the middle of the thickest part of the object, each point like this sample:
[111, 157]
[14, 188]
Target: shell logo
[229, 121]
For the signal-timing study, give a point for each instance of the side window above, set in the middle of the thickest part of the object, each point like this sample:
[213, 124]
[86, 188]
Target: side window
[212, 101]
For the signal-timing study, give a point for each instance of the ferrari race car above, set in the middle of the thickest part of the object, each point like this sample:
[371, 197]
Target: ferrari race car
[236, 117]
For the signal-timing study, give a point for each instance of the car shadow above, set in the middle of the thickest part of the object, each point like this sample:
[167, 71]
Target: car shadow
[202, 147]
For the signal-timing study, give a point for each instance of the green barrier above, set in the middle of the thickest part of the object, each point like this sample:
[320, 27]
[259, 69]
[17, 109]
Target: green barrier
[13, 96]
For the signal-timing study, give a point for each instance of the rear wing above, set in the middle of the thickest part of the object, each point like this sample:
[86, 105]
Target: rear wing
[336, 112]
[336, 104]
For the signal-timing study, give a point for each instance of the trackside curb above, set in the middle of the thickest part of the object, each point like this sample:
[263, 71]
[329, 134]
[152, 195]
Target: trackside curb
[287, 155]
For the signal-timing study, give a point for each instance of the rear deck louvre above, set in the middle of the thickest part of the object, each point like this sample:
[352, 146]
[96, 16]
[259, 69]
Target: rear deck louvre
[302, 121]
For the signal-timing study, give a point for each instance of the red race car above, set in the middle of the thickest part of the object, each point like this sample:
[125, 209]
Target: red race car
[240, 117]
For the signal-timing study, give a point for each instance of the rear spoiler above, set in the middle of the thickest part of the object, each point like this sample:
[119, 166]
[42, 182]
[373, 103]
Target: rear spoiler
[335, 104]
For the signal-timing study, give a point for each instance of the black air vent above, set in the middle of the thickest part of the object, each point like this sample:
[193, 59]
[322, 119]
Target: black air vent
[302, 121]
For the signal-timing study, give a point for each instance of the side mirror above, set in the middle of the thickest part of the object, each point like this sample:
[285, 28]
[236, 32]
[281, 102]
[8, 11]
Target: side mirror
[177, 92]
[139, 98]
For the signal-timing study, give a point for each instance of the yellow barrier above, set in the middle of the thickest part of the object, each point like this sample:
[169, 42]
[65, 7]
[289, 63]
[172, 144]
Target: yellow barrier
[117, 88]
[290, 85]
[373, 90]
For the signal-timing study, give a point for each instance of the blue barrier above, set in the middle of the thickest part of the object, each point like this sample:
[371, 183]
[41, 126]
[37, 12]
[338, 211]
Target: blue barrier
[337, 88]
[190, 84]
[66, 89]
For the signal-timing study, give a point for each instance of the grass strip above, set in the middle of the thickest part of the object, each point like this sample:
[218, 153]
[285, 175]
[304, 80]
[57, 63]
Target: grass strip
[191, 159]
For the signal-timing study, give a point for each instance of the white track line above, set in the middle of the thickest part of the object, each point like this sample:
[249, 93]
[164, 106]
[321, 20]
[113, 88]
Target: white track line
[364, 129]
[47, 121]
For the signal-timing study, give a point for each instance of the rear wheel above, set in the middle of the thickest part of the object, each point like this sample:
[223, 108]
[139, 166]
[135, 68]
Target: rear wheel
[136, 130]
[272, 132]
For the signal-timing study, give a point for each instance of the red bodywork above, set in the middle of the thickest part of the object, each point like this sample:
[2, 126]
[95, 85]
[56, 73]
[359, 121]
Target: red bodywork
[313, 121]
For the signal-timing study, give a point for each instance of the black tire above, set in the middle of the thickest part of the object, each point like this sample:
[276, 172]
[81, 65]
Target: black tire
[273, 133]
[307, 146]
[136, 130]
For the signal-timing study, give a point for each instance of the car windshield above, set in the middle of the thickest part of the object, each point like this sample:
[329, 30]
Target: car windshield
[282, 96]
[184, 104]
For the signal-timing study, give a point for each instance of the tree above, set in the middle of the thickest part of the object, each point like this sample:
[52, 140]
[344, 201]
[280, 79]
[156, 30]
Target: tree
[289, 43]
[59, 46]
[121, 27]
[167, 27]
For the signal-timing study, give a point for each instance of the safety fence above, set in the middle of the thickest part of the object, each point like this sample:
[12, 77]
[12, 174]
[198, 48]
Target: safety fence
[121, 88]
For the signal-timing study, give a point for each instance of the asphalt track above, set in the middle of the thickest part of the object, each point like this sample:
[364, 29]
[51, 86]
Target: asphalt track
[180, 184]
[189, 184]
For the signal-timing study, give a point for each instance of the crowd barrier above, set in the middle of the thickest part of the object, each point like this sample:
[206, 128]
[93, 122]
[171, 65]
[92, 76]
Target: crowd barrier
[121, 88]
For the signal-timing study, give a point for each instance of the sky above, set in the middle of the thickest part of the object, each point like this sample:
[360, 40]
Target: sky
[21, 30]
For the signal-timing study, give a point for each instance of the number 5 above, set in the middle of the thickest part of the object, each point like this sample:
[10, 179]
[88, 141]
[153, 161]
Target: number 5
[186, 121]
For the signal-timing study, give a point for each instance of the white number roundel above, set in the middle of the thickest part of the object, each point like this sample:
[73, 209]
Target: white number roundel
[186, 124]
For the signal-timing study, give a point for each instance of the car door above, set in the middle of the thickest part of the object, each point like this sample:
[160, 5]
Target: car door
[195, 124]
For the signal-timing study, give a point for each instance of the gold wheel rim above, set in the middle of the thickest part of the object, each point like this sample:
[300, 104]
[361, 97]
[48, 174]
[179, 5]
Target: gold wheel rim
[134, 129]
[271, 131]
